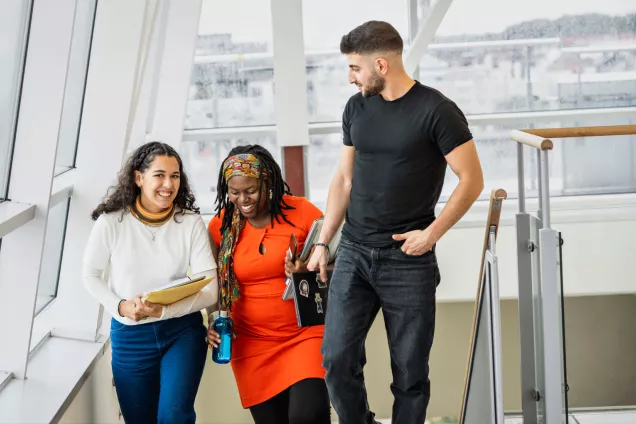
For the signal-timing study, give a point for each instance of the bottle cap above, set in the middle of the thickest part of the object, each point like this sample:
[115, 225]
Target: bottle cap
[223, 314]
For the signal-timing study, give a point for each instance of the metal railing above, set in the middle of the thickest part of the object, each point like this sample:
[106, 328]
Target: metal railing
[543, 377]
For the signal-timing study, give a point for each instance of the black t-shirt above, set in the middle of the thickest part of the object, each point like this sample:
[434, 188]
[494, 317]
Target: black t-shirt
[399, 161]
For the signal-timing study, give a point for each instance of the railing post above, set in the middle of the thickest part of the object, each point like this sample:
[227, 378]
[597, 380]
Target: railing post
[527, 337]
[544, 181]
[550, 320]
[521, 178]
[539, 185]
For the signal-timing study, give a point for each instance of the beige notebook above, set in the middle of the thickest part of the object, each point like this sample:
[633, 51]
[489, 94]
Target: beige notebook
[176, 290]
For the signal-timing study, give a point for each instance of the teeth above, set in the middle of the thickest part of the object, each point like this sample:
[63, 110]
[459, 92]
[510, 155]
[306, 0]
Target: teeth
[247, 208]
[164, 194]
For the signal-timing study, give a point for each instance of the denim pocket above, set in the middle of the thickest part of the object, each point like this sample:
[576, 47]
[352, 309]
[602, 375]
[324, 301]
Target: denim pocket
[426, 255]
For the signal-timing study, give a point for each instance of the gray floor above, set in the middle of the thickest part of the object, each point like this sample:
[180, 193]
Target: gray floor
[595, 417]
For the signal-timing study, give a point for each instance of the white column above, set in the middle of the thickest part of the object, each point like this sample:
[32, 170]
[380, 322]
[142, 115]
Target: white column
[413, 26]
[32, 174]
[173, 72]
[290, 79]
[425, 34]
[115, 55]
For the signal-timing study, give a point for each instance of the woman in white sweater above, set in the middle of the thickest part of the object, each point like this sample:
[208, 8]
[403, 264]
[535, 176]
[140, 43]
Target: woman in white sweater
[147, 233]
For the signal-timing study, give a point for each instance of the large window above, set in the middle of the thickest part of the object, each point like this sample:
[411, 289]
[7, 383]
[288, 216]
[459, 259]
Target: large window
[322, 160]
[590, 165]
[542, 55]
[572, 172]
[14, 23]
[233, 73]
[203, 159]
[324, 24]
[538, 55]
[75, 83]
[52, 255]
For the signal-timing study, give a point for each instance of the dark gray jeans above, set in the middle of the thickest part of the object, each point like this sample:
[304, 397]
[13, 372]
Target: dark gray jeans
[365, 279]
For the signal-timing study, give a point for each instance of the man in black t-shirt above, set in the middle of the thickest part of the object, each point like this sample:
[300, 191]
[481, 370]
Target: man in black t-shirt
[399, 137]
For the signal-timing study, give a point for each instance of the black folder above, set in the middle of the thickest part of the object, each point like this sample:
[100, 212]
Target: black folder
[310, 297]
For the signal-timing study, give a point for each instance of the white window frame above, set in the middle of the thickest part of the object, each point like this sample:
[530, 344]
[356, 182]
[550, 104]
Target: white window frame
[67, 331]
[32, 174]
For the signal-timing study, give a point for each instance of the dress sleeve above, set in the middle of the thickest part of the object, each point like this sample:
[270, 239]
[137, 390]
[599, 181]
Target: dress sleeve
[309, 213]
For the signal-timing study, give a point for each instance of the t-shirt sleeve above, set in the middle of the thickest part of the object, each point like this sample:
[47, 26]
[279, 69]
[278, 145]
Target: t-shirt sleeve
[310, 213]
[214, 228]
[201, 258]
[449, 127]
[346, 123]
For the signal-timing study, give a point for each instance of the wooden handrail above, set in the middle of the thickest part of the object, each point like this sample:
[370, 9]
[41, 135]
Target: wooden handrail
[600, 131]
[540, 143]
[541, 138]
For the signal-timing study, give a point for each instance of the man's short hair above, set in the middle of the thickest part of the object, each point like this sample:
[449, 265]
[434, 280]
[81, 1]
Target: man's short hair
[372, 37]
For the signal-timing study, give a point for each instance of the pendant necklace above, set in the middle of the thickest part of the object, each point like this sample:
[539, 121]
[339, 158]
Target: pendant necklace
[152, 233]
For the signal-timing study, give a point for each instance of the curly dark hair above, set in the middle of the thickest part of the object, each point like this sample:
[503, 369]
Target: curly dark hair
[274, 182]
[122, 196]
[372, 37]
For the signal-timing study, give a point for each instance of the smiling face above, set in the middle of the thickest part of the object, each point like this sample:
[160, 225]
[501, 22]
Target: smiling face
[363, 73]
[159, 183]
[244, 193]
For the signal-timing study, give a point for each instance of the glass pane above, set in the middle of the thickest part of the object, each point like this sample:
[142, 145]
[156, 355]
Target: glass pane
[233, 73]
[202, 161]
[574, 165]
[52, 255]
[575, 168]
[14, 21]
[324, 24]
[569, 55]
[322, 160]
[75, 84]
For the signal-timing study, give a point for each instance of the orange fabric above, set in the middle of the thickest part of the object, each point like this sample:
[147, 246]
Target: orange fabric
[270, 353]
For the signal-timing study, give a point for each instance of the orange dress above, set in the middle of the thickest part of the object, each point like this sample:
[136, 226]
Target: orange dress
[270, 353]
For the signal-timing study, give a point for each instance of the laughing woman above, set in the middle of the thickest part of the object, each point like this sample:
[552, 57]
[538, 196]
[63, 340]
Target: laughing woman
[147, 233]
[277, 365]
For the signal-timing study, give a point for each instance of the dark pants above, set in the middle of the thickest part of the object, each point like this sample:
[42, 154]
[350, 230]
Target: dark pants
[158, 367]
[306, 402]
[365, 279]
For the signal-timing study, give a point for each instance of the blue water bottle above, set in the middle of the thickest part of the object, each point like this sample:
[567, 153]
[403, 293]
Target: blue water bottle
[223, 326]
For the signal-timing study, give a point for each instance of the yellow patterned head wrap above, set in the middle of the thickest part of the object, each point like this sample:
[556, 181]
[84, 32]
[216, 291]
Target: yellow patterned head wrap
[244, 165]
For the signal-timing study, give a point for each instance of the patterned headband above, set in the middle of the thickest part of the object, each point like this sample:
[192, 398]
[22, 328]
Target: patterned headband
[242, 165]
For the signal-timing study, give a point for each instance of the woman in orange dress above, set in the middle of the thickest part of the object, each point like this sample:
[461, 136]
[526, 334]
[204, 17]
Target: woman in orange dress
[277, 366]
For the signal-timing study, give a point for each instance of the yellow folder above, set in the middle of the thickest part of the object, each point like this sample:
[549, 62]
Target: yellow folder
[168, 295]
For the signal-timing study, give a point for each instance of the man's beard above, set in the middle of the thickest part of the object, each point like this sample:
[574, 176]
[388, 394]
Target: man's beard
[375, 86]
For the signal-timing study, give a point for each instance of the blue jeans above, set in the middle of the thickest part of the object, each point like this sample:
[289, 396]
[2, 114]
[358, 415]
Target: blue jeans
[365, 279]
[157, 368]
